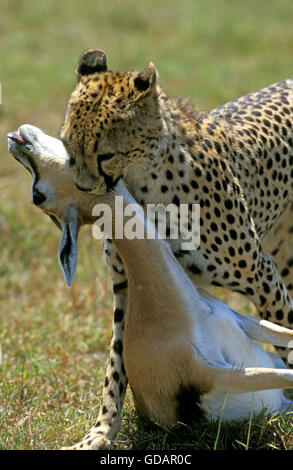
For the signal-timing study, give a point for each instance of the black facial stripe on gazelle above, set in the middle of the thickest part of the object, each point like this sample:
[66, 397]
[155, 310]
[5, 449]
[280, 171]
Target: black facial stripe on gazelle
[56, 222]
[38, 197]
[33, 170]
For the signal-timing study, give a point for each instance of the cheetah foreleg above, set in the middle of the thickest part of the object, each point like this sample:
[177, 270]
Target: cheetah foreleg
[108, 422]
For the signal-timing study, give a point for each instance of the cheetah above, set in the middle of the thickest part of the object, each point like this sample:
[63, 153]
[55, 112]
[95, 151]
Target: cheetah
[199, 361]
[235, 161]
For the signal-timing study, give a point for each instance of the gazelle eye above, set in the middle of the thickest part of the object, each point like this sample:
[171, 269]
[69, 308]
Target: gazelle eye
[71, 161]
[38, 198]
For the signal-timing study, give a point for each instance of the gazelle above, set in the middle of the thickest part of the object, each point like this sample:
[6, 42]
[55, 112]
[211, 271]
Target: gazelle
[187, 355]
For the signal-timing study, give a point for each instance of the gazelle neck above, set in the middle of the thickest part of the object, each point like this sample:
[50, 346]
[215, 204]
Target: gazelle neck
[156, 282]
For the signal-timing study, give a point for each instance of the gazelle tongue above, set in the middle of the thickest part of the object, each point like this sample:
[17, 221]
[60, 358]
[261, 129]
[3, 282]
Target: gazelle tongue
[16, 137]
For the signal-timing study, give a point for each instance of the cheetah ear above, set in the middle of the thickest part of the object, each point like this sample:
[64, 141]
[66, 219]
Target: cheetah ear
[145, 81]
[91, 61]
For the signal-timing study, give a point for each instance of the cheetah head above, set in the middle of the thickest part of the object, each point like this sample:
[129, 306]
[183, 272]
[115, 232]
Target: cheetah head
[109, 119]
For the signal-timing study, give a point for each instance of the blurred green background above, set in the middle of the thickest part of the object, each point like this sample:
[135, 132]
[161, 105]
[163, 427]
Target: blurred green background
[54, 340]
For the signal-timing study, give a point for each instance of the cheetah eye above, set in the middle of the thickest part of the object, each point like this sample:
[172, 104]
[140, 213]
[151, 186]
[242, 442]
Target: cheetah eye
[56, 222]
[106, 156]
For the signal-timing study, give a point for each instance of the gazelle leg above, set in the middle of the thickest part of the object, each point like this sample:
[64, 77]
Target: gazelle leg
[265, 331]
[252, 378]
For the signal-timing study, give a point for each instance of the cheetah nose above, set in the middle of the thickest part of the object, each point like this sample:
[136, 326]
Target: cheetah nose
[86, 190]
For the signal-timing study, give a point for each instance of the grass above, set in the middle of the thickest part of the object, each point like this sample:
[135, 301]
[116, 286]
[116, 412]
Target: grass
[54, 340]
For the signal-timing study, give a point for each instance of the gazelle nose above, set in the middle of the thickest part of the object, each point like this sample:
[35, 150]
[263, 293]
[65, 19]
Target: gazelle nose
[16, 137]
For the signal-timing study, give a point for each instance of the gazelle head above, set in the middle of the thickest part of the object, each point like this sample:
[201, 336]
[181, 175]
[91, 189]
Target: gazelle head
[53, 189]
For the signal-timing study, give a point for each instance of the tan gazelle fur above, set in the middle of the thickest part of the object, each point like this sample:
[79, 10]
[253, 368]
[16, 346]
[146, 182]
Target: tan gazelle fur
[186, 354]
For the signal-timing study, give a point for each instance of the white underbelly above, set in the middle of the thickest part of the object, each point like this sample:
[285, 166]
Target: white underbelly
[235, 406]
[224, 344]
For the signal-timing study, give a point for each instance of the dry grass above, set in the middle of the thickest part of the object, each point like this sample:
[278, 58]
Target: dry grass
[54, 340]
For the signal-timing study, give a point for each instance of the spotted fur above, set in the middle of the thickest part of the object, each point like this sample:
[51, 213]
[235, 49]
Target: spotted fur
[236, 162]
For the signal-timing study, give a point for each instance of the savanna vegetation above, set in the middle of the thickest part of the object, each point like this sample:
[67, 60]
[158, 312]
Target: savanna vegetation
[54, 340]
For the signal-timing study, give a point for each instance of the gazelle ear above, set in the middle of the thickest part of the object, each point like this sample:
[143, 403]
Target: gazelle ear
[69, 244]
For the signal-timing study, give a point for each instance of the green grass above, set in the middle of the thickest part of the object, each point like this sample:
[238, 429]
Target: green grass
[54, 340]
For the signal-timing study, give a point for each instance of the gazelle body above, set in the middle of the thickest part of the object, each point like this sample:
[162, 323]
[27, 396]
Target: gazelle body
[186, 354]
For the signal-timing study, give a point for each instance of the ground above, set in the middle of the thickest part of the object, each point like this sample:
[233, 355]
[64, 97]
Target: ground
[54, 341]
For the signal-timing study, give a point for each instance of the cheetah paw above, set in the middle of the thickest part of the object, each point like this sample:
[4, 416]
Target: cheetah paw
[96, 443]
